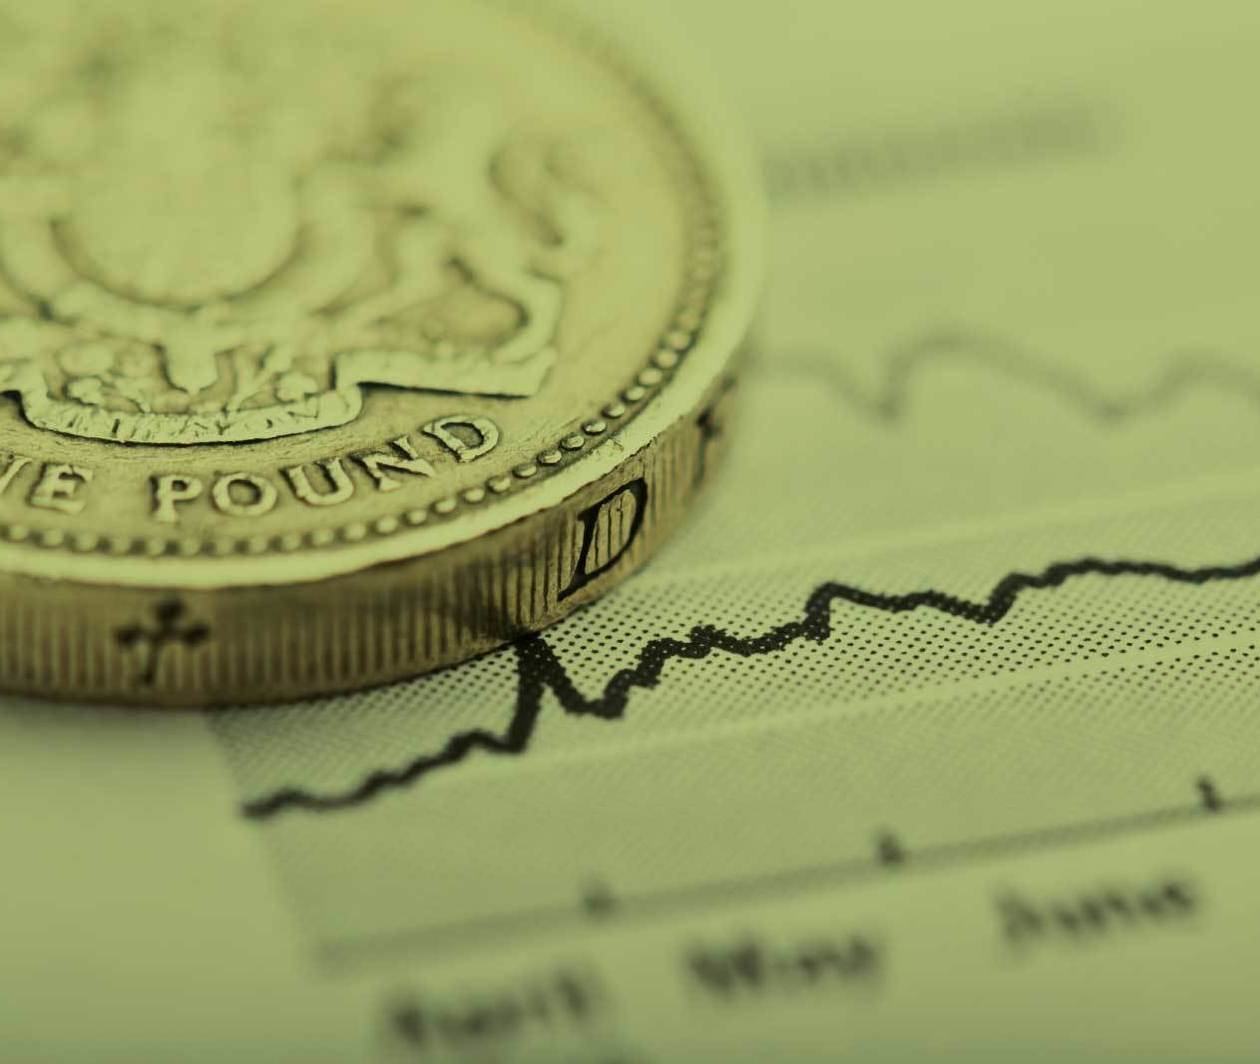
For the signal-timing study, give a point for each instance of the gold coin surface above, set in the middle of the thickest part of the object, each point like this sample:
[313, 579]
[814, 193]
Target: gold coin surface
[340, 342]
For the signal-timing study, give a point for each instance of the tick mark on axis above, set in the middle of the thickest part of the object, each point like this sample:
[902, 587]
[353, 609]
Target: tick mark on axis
[888, 849]
[599, 902]
[1209, 795]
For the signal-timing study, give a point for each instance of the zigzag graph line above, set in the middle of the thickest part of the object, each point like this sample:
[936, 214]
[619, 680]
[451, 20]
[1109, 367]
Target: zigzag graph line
[889, 400]
[539, 670]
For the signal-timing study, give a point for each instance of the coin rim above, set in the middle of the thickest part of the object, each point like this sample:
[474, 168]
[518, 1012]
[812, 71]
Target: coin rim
[712, 139]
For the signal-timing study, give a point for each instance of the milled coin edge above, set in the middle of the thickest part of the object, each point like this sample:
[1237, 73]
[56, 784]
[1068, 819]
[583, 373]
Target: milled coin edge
[727, 260]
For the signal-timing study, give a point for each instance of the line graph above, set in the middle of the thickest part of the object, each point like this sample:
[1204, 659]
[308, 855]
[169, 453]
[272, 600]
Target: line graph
[1055, 129]
[539, 670]
[889, 400]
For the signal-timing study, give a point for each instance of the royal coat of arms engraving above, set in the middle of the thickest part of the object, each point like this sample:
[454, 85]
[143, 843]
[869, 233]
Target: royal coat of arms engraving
[198, 248]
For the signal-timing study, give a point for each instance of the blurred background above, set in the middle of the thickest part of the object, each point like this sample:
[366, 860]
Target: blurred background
[1007, 354]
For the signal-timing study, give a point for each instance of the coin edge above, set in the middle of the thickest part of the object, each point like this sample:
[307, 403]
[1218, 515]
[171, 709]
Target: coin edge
[708, 138]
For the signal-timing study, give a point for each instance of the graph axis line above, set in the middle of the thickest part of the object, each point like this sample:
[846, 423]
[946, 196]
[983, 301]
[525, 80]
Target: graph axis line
[673, 901]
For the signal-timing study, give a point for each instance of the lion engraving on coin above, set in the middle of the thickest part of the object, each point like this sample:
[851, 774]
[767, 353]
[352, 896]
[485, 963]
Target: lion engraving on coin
[190, 254]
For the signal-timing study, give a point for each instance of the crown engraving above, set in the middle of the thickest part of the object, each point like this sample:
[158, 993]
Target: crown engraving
[197, 247]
